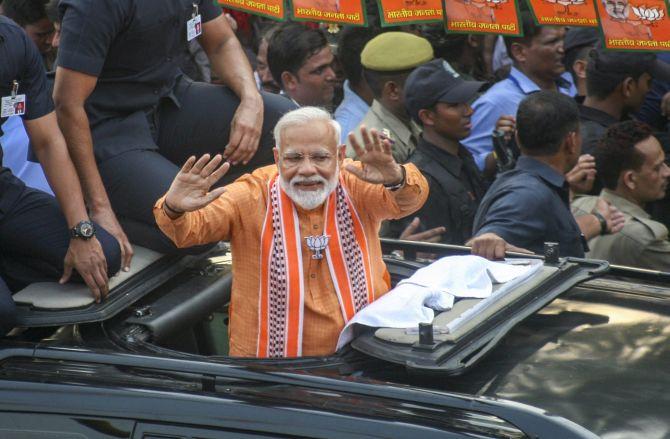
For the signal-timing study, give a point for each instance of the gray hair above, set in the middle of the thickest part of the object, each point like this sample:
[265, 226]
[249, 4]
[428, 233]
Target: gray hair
[304, 116]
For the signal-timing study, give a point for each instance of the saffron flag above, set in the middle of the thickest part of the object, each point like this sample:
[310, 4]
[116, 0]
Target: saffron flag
[274, 9]
[482, 16]
[564, 12]
[635, 24]
[330, 11]
[399, 12]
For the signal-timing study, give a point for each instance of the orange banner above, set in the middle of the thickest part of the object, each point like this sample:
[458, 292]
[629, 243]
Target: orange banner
[399, 12]
[274, 9]
[635, 24]
[565, 12]
[482, 16]
[330, 11]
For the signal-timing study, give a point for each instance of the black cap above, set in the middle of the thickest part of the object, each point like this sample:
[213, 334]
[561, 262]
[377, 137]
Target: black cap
[610, 64]
[436, 81]
[577, 37]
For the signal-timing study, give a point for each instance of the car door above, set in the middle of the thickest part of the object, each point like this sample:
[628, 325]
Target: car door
[38, 425]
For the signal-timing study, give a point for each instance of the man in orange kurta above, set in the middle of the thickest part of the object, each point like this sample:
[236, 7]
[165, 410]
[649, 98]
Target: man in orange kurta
[309, 163]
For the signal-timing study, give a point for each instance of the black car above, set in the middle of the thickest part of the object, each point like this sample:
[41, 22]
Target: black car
[581, 351]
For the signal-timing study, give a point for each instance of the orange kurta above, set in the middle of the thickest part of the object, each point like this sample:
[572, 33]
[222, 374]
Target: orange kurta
[238, 216]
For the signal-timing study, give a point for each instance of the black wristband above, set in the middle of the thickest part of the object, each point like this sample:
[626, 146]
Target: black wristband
[603, 222]
[395, 187]
[173, 210]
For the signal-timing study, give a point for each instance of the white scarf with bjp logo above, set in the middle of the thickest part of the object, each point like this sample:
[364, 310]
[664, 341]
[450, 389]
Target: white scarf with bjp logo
[282, 288]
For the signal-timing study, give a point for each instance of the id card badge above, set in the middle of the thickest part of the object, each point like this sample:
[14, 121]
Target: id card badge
[194, 25]
[13, 105]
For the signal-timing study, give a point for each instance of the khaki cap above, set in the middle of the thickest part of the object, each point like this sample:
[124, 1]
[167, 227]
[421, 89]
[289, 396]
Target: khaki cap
[393, 51]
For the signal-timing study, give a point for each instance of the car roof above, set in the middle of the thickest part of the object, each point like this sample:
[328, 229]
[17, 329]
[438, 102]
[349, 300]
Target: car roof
[51, 304]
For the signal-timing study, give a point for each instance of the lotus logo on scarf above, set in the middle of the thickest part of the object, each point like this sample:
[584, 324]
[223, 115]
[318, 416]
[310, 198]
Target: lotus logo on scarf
[317, 244]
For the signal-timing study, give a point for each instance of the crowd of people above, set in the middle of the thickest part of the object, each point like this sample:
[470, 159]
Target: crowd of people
[308, 145]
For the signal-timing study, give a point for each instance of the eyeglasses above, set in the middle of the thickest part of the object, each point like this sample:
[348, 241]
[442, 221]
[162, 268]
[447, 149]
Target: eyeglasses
[319, 159]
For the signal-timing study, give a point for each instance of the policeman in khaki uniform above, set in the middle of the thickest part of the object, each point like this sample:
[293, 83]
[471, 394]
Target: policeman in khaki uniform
[387, 60]
[631, 164]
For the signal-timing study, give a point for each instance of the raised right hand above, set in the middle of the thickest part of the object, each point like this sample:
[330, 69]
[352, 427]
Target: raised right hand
[506, 124]
[583, 175]
[190, 188]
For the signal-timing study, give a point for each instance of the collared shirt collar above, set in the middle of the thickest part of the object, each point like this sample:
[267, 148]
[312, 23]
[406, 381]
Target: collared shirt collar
[283, 93]
[522, 81]
[452, 163]
[624, 205]
[396, 125]
[527, 86]
[351, 97]
[542, 170]
[597, 116]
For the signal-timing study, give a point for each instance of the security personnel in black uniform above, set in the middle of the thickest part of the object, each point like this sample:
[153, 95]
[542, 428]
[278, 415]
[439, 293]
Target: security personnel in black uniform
[40, 241]
[131, 117]
[437, 98]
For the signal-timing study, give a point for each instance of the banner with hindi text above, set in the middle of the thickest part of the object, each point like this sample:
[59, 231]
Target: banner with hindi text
[330, 11]
[635, 24]
[400, 12]
[482, 16]
[275, 9]
[564, 12]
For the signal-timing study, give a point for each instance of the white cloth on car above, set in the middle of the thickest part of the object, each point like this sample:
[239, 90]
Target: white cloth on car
[434, 288]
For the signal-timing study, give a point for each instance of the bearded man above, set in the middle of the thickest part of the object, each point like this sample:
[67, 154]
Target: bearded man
[314, 217]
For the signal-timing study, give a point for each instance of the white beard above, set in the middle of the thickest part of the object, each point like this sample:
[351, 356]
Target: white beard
[309, 200]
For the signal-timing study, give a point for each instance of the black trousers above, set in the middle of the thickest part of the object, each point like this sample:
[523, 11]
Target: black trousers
[34, 238]
[7, 309]
[136, 179]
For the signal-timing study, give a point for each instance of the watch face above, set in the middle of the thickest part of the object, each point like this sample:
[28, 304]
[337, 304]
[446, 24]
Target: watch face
[85, 229]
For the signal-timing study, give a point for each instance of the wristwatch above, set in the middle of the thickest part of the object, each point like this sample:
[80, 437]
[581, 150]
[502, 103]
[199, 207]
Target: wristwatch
[84, 230]
[603, 222]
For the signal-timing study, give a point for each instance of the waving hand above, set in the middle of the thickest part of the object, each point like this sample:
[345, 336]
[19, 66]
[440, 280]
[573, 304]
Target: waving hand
[379, 167]
[190, 189]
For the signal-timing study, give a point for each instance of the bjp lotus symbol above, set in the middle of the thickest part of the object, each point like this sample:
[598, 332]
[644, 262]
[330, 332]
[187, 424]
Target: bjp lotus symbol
[317, 244]
[566, 4]
[649, 15]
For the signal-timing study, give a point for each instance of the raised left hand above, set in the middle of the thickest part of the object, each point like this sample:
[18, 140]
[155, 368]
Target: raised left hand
[379, 167]
[245, 131]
